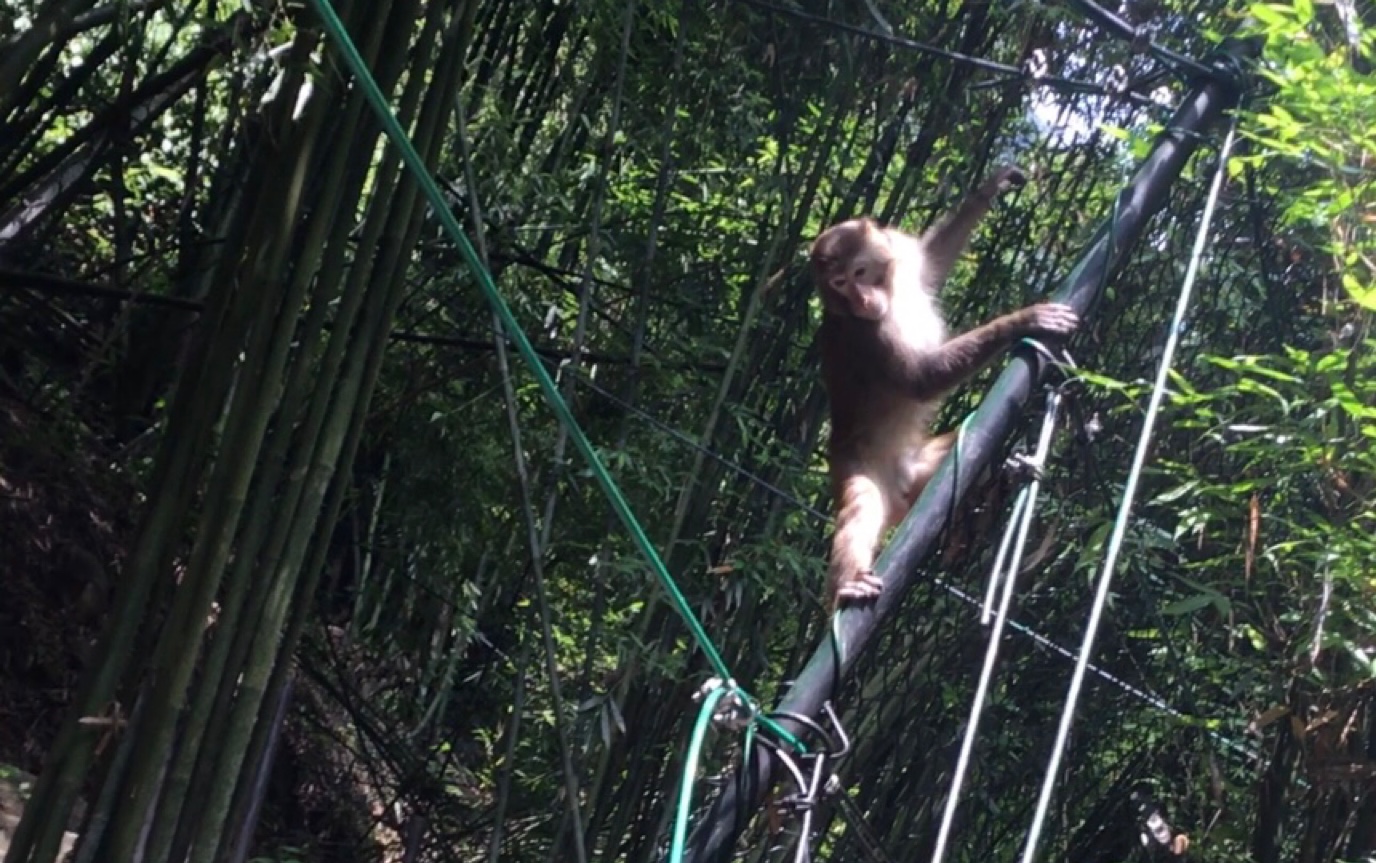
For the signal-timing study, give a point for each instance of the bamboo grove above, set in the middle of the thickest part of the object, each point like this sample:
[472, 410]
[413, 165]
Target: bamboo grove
[302, 567]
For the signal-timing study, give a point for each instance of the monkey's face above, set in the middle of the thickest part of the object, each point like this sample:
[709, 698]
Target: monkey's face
[851, 264]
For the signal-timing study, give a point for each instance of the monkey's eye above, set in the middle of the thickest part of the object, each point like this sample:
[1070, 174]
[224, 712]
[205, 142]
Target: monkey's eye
[859, 272]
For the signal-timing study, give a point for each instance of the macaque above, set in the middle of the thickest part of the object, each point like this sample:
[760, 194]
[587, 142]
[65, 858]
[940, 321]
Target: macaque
[887, 363]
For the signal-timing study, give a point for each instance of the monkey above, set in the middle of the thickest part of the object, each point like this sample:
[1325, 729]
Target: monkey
[887, 362]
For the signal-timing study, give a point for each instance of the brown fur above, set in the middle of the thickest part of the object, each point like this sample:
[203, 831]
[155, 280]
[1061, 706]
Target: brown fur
[887, 363]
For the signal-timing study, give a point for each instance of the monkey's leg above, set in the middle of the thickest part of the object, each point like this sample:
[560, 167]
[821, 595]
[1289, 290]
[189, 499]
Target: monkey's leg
[949, 235]
[931, 374]
[861, 515]
[932, 453]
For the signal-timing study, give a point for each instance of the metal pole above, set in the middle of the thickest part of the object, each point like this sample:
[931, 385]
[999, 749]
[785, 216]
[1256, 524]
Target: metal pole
[715, 837]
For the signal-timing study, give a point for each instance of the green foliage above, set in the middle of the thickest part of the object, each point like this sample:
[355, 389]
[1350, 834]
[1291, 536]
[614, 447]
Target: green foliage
[1283, 459]
[1320, 115]
[652, 247]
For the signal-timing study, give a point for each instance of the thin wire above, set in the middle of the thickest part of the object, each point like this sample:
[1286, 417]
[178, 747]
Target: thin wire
[995, 575]
[1146, 697]
[392, 127]
[697, 447]
[1120, 28]
[1026, 514]
[1009, 72]
[864, 834]
[440, 207]
[446, 341]
[1120, 525]
[533, 538]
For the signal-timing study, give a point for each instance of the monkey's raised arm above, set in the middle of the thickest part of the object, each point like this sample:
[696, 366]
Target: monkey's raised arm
[930, 374]
[948, 236]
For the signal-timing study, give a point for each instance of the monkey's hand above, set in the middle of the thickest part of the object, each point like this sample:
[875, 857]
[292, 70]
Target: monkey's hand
[1004, 179]
[1049, 319]
[857, 586]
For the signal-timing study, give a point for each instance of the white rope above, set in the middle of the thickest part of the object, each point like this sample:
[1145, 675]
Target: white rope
[1125, 506]
[986, 611]
[1024, 511]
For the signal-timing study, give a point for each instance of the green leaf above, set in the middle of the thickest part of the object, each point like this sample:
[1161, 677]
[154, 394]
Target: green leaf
[1274, 16]
[1363, 295]
[1175, 493]
[1188, 604]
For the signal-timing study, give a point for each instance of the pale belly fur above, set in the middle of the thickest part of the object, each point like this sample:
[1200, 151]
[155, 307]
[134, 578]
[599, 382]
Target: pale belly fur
[892, 450]
[895, 440]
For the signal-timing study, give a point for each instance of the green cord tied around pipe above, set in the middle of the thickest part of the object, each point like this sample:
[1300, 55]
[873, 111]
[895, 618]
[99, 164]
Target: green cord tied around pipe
[392, 127]
[679, 840]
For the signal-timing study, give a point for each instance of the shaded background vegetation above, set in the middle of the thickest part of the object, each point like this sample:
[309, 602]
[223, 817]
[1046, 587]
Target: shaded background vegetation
[269, 558]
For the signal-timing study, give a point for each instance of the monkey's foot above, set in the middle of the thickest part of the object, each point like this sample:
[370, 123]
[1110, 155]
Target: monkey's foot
[863, 585]
[1052, 319]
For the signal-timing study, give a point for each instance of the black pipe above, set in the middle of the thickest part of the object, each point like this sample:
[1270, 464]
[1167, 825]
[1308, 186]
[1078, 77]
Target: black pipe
[714, 839]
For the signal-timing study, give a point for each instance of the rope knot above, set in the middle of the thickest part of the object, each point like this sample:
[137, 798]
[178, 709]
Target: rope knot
[734, 712]
[1024, 467]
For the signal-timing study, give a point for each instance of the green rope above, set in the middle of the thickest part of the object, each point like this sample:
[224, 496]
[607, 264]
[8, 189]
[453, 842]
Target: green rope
[416, 165]
[690, 770]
